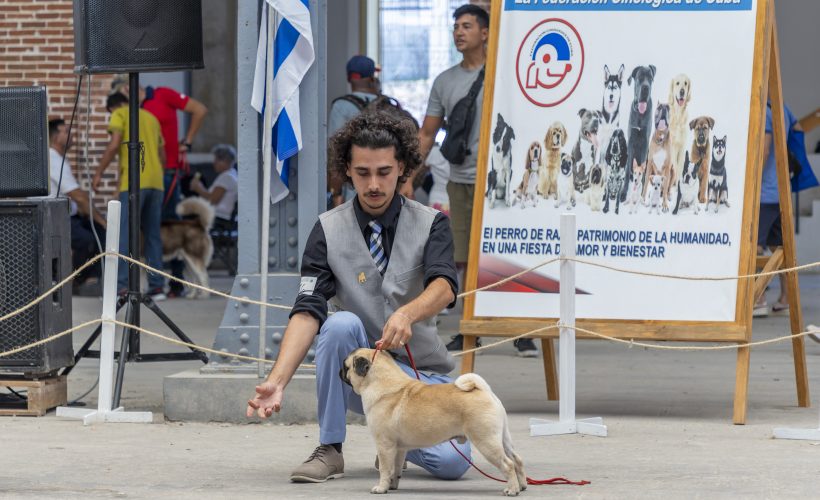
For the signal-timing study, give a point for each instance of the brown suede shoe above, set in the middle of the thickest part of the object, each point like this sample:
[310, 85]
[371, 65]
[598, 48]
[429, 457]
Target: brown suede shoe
[323, 464]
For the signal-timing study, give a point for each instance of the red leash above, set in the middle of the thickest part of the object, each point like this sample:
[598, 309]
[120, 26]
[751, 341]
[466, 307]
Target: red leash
[185, 168]
[530, 481]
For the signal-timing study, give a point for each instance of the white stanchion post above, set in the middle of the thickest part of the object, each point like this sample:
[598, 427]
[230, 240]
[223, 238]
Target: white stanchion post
[104, 413]
[567, 424]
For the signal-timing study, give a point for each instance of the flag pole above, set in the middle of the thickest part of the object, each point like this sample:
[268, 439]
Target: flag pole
[267, 167]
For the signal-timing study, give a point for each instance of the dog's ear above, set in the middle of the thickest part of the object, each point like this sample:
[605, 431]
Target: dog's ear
[621, 73]
[714, 138]
[652, 70]
[582, 111]
[563, 134]
[633, 75]
[343, 375]
[686, 158]
[361, 366]
[688, 89]
[606, 72]
[692, 124]
[710, 121]
[724, 140]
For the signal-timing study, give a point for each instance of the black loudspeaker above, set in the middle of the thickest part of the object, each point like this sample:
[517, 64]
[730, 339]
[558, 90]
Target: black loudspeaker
[23, 142]
[34, 256]
[130, 36]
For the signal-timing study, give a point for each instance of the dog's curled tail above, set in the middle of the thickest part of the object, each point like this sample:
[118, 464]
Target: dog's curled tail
[471, 381]
[199, 207]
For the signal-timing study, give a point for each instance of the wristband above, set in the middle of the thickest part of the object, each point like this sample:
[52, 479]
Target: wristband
[188, 146]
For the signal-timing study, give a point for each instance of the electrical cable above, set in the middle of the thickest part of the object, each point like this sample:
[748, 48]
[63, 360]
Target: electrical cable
[23, 397]
[86, 393]
[87, 168]
[70, 127]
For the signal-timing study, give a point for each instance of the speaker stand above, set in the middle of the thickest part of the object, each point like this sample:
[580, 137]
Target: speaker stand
[130, 345]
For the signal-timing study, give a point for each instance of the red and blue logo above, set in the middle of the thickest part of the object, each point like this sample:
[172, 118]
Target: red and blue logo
[550, 62]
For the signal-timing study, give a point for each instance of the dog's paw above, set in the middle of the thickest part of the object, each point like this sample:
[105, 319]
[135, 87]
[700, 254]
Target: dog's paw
[378, 489]
[510, 492]
[394, 483]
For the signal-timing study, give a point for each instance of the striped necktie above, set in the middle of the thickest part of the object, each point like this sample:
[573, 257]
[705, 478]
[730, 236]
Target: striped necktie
[377, 247]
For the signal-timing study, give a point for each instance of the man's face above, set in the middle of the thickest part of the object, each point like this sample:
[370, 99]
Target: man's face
[61, 137]
[468, 34]
[375, 174]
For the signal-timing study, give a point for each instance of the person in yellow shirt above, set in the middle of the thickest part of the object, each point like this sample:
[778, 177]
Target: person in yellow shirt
[151, 186]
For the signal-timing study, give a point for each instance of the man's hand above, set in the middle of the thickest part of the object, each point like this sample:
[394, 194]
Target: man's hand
[397, 331]
[95, 182]
[196, 186]
[268, 399]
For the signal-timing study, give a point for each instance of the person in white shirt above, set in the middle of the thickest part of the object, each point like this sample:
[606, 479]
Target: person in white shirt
[224, 191]
[63, 183]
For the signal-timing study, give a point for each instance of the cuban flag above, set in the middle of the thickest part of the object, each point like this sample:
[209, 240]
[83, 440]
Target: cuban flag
[292, 57]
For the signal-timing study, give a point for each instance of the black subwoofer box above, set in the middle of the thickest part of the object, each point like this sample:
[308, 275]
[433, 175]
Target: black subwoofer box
[35, 254]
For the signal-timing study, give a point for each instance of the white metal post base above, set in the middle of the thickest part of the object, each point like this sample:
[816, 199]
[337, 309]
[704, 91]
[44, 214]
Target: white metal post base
[592, 426]
[807, 434]
[104, 413]
[95, 416]
[567, 424]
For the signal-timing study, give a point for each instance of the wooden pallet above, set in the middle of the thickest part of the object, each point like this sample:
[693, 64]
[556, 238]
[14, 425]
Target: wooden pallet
[42, 395]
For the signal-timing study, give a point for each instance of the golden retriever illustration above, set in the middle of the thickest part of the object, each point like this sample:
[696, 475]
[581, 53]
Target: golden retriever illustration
[680, 92]
[555, 139]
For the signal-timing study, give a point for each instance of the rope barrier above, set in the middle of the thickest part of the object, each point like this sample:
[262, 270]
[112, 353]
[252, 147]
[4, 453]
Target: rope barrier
[630, 342]
[246, 300]
[54, 288]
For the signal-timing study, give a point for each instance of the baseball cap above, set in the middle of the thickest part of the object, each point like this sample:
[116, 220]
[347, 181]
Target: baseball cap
[361, 67]
[118, 83]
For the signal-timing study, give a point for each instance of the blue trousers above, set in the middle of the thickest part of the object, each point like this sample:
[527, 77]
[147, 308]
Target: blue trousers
[169, 212]
[341, 334]
[150, 209]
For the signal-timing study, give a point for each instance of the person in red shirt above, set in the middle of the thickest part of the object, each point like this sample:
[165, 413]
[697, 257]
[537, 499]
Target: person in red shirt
[163, 103]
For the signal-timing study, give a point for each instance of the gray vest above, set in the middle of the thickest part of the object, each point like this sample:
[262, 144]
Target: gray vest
[362, 290]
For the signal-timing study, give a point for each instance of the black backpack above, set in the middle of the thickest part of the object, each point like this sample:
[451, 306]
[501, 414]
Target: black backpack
[379, 103]
[455, 147]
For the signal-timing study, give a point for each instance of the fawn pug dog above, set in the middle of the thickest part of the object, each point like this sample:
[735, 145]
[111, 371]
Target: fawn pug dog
[404, 414]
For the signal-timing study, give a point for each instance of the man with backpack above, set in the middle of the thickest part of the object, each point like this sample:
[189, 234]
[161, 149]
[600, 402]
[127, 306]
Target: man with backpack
[366, 96]
[361, 74]
[462, 87]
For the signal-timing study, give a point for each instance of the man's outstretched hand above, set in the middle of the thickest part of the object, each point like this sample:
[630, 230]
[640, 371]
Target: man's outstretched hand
[268, 399]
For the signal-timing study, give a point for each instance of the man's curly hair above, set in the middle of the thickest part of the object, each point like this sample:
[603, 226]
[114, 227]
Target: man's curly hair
[375, 130]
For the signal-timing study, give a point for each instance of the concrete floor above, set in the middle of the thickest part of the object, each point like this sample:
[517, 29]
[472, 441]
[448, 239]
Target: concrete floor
[668, 415]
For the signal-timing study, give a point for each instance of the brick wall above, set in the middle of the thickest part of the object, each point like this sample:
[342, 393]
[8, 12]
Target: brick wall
[37, 48]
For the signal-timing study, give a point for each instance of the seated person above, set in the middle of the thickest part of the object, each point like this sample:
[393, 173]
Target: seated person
[83, 243]
[223, 192]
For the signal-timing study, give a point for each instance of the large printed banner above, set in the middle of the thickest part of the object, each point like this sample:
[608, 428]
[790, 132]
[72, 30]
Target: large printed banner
[634, 115]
